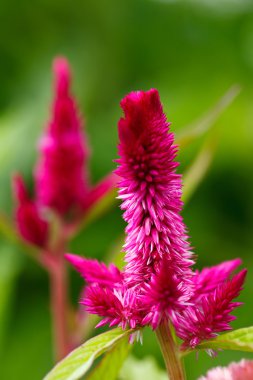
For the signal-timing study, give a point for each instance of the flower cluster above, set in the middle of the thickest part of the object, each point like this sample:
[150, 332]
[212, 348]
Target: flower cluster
[158, 282]
[61, 177]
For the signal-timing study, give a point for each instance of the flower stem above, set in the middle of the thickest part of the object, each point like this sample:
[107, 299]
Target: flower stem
[58, 293]
[170, 352]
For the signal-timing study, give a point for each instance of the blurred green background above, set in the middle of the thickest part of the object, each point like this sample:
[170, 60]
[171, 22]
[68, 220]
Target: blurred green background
[192, 51]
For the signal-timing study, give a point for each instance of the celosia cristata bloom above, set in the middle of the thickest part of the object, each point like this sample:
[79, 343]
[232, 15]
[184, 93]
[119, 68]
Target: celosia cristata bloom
[61, 178]
[235, 371]
[158, 282]
[30, 223]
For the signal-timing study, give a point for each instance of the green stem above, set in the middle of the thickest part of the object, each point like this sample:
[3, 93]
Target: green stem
[170, 352]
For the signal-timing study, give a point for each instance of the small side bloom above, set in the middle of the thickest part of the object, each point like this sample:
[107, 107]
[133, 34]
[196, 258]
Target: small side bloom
[235, 371]
[208, 279]
[211, 315]
[32, 227]
[117, 307]
[94, 272]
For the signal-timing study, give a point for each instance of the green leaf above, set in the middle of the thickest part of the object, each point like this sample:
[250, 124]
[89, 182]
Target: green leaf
[112, 362]
[7, 230]
[100, 207]
[10, 266]
[201, 126]
[134, 369]
[237, 340]
[79, 361]
[196, 172]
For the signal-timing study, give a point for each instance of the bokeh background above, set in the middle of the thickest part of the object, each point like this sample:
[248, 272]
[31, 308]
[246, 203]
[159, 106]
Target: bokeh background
[192, 51]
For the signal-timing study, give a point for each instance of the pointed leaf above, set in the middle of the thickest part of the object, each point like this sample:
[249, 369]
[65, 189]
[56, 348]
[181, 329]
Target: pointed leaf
[196, 172]
[111, 363]
[79, 361]
[238, 340]
[201, 126]
[100, 207]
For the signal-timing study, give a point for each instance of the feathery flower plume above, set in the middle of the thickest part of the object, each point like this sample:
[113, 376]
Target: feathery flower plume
[158, 282]
[209, 278]
[32, 227]
[157, 252]
[212, 315]
[150, 190]
[61, 177]
[61, 182]
[235, 371]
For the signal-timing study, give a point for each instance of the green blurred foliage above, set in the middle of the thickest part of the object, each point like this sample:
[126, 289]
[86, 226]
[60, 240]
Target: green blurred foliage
[192, 51]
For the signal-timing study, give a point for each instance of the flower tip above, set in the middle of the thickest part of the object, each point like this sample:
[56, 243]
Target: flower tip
[141, 109]
[75, 260]
[242, 275]
[62, 74]
[135, 98]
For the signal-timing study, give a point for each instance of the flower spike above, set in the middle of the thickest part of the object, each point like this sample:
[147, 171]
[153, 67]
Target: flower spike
[32, 227]
[61, 182]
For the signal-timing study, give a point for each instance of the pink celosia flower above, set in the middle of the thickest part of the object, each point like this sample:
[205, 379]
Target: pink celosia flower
[235, 371]
[61, 182]
[211, 315]
[158, 254]
[150, 190]
[158, 282]
[61, 174]
[209, 278]
[30, 224]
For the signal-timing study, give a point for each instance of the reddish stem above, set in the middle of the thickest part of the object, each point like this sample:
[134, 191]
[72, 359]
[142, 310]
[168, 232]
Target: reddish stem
[59, 306]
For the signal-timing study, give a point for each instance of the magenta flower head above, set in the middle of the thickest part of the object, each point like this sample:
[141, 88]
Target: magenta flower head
[61, 178]
[32, 227]
[235, 371]
[158, 283]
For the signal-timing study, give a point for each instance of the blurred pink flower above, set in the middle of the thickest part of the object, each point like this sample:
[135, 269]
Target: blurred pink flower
[235, 371]
[30, 224]
[61, 178]
[60, 175]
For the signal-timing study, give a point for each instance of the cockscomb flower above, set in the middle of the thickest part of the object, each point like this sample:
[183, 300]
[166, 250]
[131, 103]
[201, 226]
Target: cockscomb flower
[156, 246]
[32, 227]
[61, 180]
[211, 315]
[235, 371]
[208, 279]
[158, 283]
[150, 190]
[61, 176]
